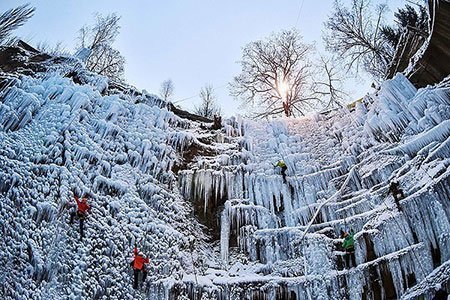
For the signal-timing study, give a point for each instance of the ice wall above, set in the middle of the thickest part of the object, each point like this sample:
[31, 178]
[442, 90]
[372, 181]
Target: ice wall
[284, 236]
[115, 147]
[151, 176]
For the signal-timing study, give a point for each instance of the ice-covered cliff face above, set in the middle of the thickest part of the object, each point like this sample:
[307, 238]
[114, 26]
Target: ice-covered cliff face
[115, 146]
[280, 241]
[151, 177]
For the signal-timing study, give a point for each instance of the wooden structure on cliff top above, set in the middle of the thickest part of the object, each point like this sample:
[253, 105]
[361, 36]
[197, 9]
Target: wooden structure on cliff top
[428, 57]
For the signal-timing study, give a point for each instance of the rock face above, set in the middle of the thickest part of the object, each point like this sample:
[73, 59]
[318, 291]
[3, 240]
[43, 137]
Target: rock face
[433, 62]
[426, 61]
[208, 206]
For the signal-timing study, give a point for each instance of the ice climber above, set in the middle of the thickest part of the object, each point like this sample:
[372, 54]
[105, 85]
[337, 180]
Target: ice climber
[283, 167]
[138, 265]
[349, 246]
[82, 208]
[397, 192]
[440, 294]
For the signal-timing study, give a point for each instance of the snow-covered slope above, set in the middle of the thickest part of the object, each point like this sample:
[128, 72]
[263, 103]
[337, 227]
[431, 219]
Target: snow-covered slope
[208, 207]
[57, 138]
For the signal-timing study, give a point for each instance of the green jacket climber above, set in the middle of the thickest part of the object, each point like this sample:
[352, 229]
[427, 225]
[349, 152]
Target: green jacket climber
[349, 242]
[283, 167]
[280, 164]
[349, 246]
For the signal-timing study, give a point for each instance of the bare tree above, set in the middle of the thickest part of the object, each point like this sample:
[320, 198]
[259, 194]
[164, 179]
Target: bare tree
[166, 90]
[406, 17]
[55, 50]
[14, 18]
[208, 107]
[275, 76]
[355, 34]
[103, 58]
[328, 83]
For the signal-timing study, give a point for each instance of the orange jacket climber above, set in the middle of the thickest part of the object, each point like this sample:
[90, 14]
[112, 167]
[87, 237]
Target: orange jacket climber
[139, 267]
[81, 213]
[83, 207]
[139, 260]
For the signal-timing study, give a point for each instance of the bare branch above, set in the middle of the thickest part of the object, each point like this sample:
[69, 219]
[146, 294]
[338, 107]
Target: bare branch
[354, 36]
[104, 59]
[208, 107]
[14, 18]
[166, 90]
[275, 75]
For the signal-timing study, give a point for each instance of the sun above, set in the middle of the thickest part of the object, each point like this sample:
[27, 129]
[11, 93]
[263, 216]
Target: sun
[283, 88]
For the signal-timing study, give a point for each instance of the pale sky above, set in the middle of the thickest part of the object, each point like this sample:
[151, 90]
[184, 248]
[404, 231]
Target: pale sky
[191, 42]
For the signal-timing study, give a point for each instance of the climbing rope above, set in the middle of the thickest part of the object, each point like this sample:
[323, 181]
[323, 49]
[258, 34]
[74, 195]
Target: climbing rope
[296, 178]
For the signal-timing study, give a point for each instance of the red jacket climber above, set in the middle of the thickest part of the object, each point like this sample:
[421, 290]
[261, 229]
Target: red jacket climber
[83, 207]
[138, 266]
[139, 260]
[80, 214]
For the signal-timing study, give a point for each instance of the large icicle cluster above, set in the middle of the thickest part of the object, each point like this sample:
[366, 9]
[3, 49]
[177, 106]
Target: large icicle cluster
[115, 146]
[272, 242]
